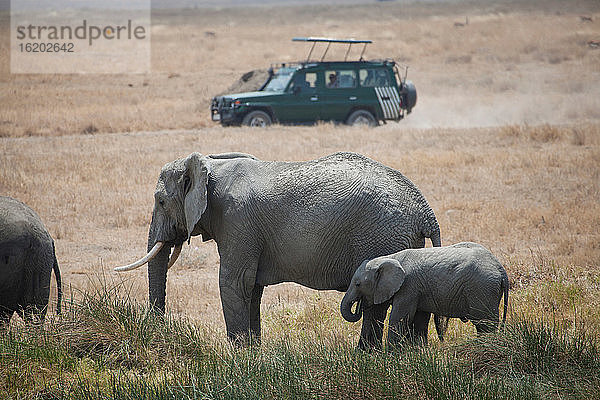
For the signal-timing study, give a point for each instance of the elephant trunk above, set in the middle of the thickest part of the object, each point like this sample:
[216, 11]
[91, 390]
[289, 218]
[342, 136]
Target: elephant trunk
[346, 307]
[157, 267]
[157, 277]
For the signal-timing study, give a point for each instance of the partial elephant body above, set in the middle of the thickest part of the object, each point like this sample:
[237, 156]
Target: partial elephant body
[27, 260]
[305, 222]
[461, 281]
[311, 222]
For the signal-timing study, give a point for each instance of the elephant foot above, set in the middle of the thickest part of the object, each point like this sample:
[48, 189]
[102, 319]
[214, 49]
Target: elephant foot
[369, 346]
[441, 326]
[239, 340]
[244, 339]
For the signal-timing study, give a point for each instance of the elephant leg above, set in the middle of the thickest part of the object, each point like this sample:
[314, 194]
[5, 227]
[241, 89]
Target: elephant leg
[485, 325]
[485, 321]
[441, 326]
[419, 328]
[400, 333]
[236, 311]
[395, 333]
[236, 282]
[257, 292]
[402, 319]
[32, 315]
[371, 333]
[38, 294]
[414, 329]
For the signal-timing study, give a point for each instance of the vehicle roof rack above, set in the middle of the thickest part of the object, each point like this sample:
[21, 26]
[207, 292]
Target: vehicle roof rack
[316, 40]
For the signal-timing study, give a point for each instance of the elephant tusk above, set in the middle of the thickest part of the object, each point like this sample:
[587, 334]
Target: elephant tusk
[143, 260]
[174, 255]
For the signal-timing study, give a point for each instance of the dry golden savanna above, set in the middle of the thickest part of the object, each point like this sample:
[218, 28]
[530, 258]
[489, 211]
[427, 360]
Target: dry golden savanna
[514, 62]
[504, 141]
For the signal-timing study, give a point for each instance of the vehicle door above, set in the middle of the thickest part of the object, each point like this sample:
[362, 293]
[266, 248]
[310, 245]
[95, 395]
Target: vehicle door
[338, 96]
[300, 103]
[383, 93]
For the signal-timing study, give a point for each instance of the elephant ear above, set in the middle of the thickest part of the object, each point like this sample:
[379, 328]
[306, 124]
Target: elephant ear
[195, 181]
[389, 277]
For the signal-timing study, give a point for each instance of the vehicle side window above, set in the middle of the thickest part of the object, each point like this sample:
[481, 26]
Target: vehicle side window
[305, 80]
[373, 77]
[311, 79]
[340, 79]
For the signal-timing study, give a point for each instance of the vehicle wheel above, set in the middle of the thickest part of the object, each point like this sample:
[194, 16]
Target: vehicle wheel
[257, 118]
[361, 117]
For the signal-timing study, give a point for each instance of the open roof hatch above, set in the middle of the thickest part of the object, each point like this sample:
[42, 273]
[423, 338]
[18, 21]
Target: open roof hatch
[349, 42]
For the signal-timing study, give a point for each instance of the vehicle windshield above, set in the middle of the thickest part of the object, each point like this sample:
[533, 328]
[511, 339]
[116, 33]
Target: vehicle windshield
[279, 80]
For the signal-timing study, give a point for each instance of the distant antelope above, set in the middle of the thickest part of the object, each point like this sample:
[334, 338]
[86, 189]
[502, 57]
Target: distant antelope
[585, 18]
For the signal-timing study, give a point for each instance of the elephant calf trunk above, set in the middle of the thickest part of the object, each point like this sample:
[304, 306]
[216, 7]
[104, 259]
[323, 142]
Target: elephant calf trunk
[346, 310]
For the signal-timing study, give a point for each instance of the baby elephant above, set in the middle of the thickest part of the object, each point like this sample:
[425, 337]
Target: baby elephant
[27, 260]
[461, 281]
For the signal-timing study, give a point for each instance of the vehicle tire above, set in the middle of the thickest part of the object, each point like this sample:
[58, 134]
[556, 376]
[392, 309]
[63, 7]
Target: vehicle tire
[361, 117]
[257, 118]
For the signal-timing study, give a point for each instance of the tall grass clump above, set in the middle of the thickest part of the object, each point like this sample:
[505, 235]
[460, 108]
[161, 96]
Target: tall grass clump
[107, 346]
[560, 359]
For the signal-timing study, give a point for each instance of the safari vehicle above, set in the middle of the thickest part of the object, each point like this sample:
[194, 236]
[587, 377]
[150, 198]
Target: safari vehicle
[352, 92]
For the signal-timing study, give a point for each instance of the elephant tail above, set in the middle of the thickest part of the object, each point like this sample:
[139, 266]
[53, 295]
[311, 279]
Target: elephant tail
[505, 286]
[436, 241]
[58, 284]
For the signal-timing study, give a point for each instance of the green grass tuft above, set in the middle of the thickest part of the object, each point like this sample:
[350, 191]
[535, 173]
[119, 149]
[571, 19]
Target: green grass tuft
[107, 346]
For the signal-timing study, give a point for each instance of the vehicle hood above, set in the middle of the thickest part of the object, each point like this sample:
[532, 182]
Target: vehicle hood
[249, 95]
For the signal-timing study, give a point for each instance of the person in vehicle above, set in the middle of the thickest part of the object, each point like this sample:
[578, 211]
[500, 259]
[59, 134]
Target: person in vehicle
[332, 81]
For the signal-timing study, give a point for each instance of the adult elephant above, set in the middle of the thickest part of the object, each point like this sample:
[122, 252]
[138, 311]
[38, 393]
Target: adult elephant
[27, 260]
[310, 222]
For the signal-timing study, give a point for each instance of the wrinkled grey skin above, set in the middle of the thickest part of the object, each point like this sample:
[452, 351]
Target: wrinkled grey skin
[460, 281]
[305, 222]
[27, 260]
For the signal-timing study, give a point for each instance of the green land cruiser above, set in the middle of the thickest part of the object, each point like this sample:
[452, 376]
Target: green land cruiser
[352, 92]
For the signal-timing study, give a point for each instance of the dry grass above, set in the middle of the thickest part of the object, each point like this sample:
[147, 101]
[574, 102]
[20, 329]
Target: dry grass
[512, 64]
[527, 186]
[533, 201]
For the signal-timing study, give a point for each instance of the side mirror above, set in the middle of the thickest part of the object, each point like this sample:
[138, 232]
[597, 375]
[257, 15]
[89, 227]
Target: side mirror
[296, 89]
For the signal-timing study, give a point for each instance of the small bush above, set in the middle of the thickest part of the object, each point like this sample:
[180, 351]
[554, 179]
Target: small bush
[89, 129]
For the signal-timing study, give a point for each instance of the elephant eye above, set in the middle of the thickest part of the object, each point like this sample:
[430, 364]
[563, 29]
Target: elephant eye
[161, 202]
